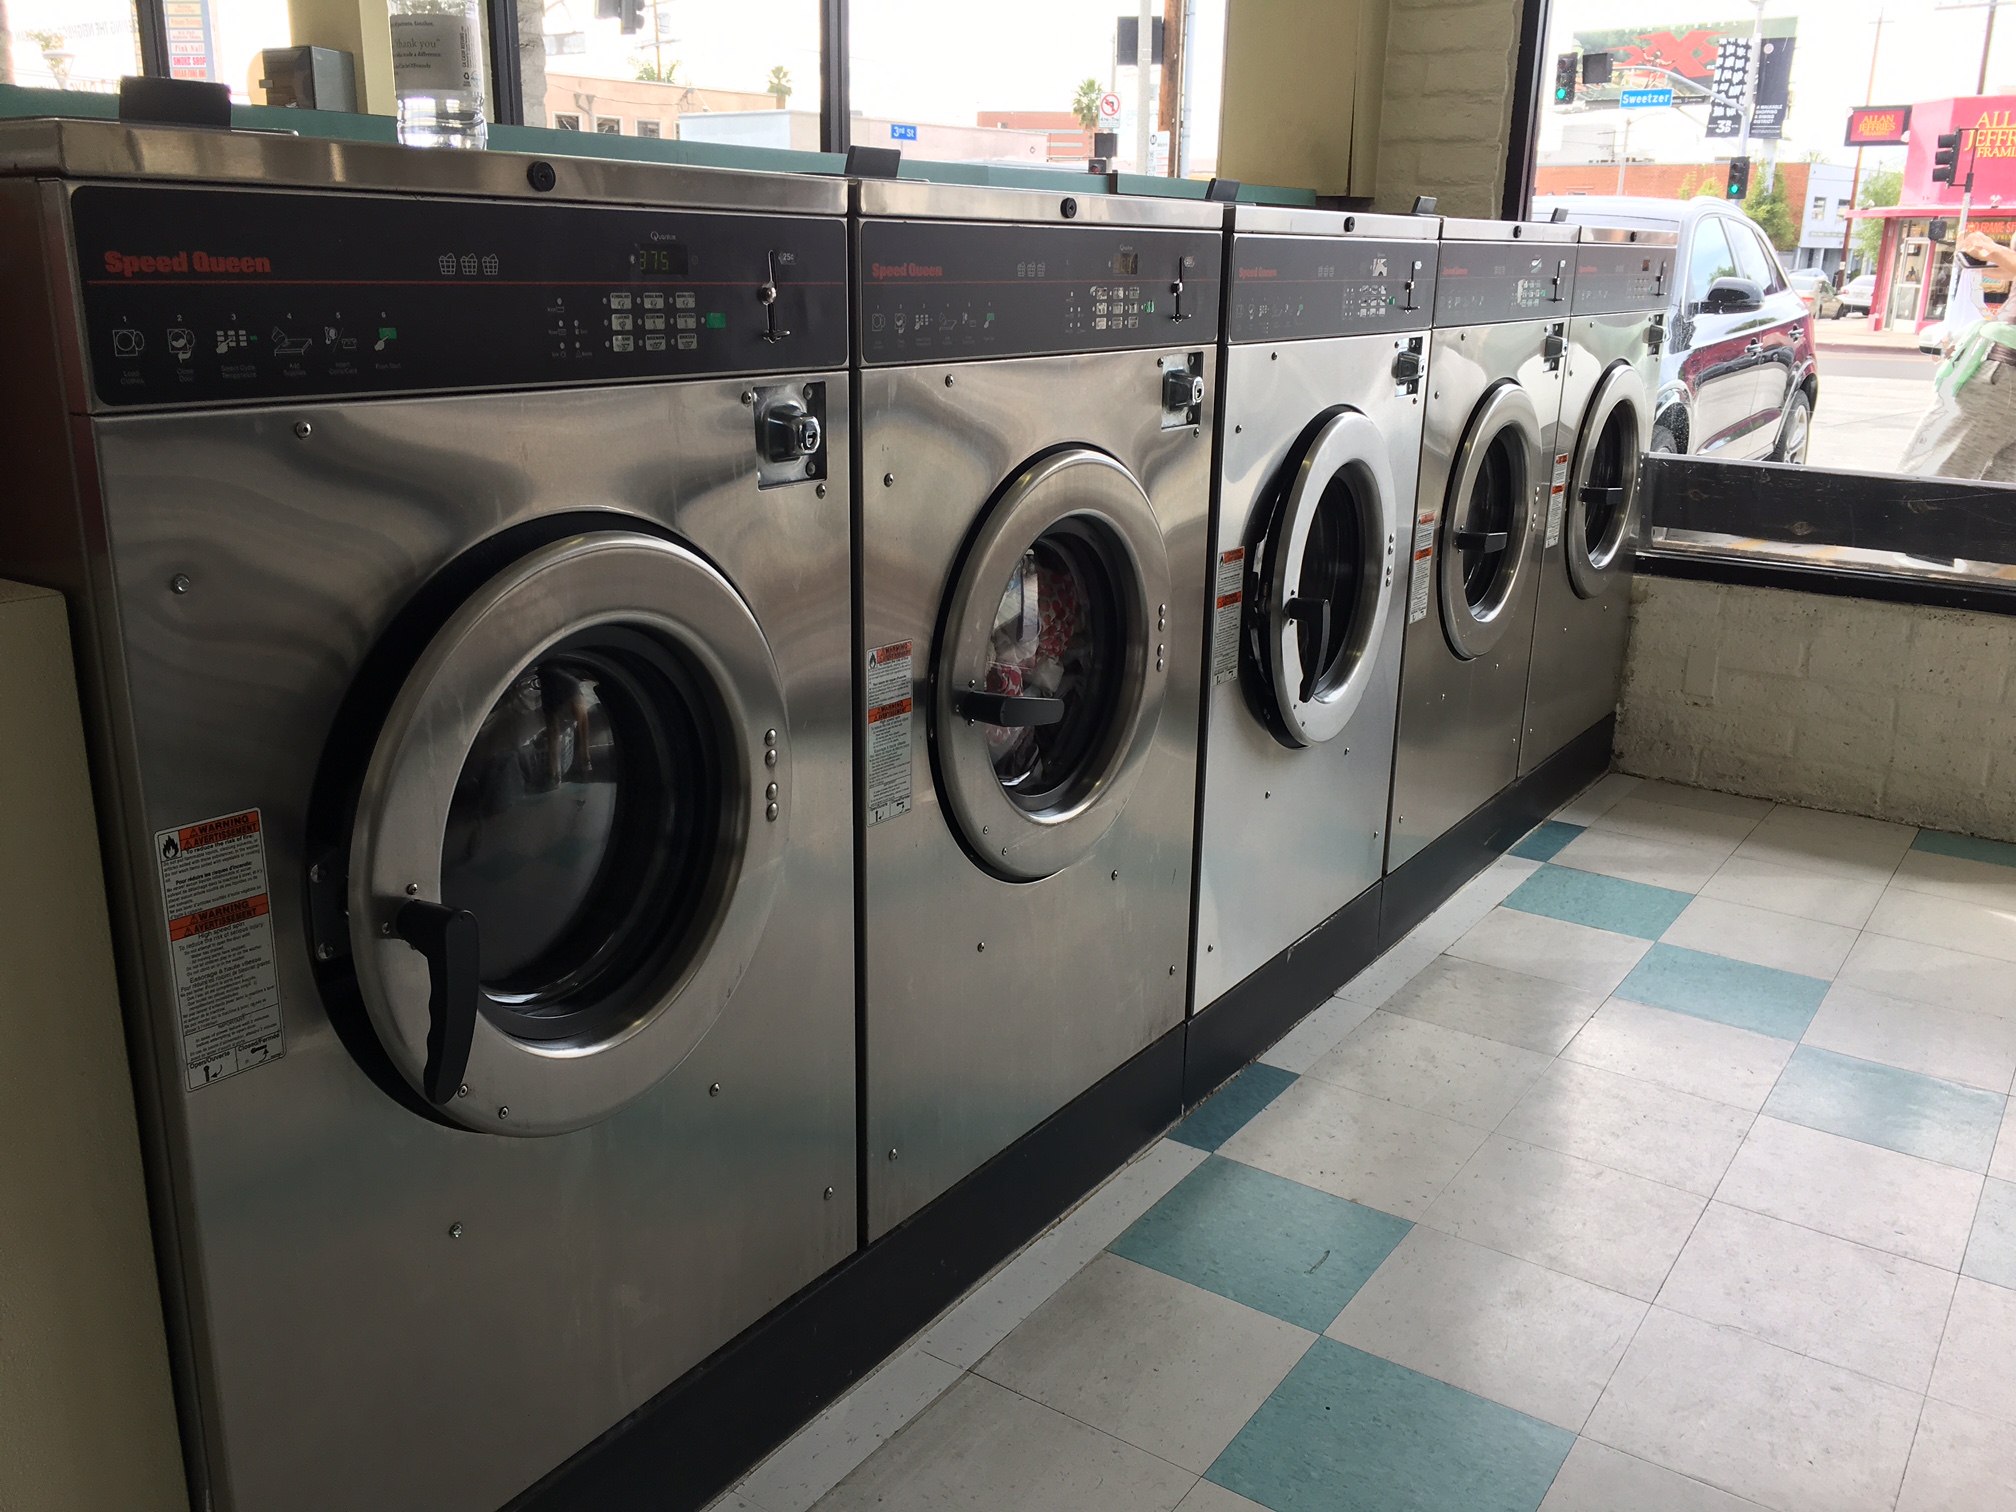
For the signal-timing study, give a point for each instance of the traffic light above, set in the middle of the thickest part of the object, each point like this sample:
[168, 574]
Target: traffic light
[1565, 68]
[1739, 178]
[1595, 69]
[1946, 159]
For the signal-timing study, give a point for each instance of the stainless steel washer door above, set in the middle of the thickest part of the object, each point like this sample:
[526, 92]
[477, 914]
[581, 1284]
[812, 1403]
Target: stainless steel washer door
[1050, 675]
[1603, 488]
[569, 834]
[1494, 493]
[1325, 565]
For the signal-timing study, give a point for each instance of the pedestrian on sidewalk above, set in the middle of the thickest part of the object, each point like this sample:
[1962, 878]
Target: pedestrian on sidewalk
[1970, 429]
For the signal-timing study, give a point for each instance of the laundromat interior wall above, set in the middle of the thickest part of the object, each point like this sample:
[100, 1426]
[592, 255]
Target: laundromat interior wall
[1899, 711]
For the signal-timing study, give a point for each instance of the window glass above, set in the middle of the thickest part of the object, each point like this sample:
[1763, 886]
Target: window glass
[1708, 259]
[1061, 83]
[743, 74]
[68, 44]
[1756, 259]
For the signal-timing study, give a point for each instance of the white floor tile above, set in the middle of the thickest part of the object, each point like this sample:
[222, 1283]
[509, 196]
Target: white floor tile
[1899, 1203]
[1763, 938]
[1630, 1125]
[1596, 799]
[1459, 1076]
[1931, 974]
[990, 1310]
[1844, 844]
[1395, 969]
[981, 1446]
[1844, 1303]
[1756, 1420]
[1381, 1154]
[1593, 959]
[1991, 1247]
[1977, 1361]
[1510, 1006]
[826, 1450]
[1206, 1497]
[1981, 882]
[1716, 833]
[1617, 1230]
[1149, 1359]
[1595, 1478]
[1974, 1049]
[1807, 895]
[1716, 1061]
[1320, 1032]
[2003, 1166]
[1961, 1462]
[1656, 863]
[1707, 800]
[1976, 928]
[1512, 1332]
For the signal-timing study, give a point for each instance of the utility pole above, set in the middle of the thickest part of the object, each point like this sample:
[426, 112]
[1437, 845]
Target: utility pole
[1144, 118]
[1172, 103]
[1855, 184]
[1750, 84]
[1987, 35]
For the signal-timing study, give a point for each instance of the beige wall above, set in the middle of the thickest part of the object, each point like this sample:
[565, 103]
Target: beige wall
[1891, 710]
[1446, 114]
[87, 1421]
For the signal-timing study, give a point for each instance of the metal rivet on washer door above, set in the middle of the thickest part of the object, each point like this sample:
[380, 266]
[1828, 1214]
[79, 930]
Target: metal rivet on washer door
[770, 757]
[412, 889]
[829, 1194]
[463, 1090]
[983, 945]
[714, 1090]
[748, 396]
[303, 430]
[770, 812]
[1116, 876]
[384, 929]
[888, 480]
[892, 1152]
[503, 1112]
[325, 952]
[179, 583]
[454, 1231]
[820, 490]
[770, 791]
[769, 737]
[948, 380]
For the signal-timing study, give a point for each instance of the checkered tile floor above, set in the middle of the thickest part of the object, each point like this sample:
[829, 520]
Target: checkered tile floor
[1666, 1167]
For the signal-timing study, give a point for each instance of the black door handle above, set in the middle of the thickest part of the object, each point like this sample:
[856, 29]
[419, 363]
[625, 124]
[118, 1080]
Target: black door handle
[1302, 610]
[448, 938]
[1612, 498]
[1487, 541]
[1008, 711]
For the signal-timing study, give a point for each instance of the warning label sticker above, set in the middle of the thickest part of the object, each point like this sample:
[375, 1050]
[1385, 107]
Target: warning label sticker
[1231, 594]
[1424, 557]
[890, 706]
[220, 943]
[1557, 499]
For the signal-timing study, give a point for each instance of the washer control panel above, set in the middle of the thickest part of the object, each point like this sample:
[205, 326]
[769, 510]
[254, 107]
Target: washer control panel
[218, 295]
[1290, 287]
[1618, 278]
[933, 291]
[1480, 282]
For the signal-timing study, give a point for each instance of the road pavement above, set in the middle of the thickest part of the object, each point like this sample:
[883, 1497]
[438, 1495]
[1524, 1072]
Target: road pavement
[1870, 402]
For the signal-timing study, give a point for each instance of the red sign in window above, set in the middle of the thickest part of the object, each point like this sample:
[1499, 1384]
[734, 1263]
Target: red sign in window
[1879, 126]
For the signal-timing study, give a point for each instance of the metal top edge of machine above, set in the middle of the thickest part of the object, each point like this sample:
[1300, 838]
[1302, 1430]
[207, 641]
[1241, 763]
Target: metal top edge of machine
[1625, 234]
[919, 199]
[1455, 228]
[271, 160]
[1285, 220]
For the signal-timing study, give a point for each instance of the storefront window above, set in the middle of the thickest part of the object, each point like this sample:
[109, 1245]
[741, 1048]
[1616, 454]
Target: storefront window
[68, 44]
[687, 69]
[1061, 83]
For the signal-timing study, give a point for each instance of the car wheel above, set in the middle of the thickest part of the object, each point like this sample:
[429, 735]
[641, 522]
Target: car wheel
[1795, 431]
[1663, 440]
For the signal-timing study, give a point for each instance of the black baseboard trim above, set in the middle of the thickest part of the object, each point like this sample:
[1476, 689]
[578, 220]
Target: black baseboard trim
[1246, 1020]
[1417, 888]
[702, 1433]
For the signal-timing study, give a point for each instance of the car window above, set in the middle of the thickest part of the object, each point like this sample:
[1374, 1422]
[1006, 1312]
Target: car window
[1709, 258]
[1755, 258]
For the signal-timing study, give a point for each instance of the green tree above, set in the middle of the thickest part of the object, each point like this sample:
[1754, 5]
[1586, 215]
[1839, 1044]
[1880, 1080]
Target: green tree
[1085, 104]
[780, 83]
[1688, 187]
[1773, 216]
[1880, 187]
[657, 73]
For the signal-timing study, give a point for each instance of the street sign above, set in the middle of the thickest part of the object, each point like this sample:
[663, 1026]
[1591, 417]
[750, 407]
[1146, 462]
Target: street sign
[1644, 99]
[1109, 107]
[1879, 126]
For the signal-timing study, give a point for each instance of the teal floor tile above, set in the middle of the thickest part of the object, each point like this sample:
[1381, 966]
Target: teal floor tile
[1545, 843]
[1966, 847]
[1628, 908]
[1227, 1111]
[1991, 1252]
[1881, 1105]
[1763, 998]
[1272, 1244]
[1350, 1432]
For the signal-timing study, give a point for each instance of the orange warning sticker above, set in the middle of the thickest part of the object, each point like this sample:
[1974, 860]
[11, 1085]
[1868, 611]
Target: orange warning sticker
[220, 941]
[1225, 615]
[891, 701]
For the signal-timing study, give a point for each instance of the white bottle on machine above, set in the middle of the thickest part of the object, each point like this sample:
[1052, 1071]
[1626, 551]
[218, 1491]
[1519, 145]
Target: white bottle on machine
[437, 72]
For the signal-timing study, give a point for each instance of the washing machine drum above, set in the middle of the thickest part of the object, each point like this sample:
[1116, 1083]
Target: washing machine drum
[1602, 501]
[1488, 519]
[1320, 581]
[568, 834]
[1049, 669]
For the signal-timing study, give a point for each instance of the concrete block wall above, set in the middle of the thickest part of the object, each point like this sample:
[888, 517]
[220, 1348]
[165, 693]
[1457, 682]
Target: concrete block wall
[1893, 710]
[1445, 114]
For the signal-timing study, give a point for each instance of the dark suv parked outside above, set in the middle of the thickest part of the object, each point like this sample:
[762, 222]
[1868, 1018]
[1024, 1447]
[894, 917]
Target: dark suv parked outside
[1738, 378]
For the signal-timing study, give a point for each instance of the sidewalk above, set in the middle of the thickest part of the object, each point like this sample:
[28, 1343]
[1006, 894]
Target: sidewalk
[1853, 334]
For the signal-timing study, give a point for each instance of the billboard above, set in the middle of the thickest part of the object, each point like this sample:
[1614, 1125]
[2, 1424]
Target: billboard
[1707, 64]
[1879, 126]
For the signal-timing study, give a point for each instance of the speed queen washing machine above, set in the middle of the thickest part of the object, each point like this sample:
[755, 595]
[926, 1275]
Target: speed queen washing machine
[1035, 398]
[459, 577]
[1616, 329]
[1488, 440]
[1326, 331]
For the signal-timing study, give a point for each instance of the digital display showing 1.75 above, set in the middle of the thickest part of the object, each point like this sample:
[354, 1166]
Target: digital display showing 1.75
[667, 260]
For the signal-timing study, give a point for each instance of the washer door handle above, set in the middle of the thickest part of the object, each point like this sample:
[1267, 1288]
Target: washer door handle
[1007, 711]
[1490, 542]
[449, 939]
[1302, 610]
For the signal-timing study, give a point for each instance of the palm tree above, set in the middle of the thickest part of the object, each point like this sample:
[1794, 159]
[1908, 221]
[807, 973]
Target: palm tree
[6, 47]
[1085, 104]
[780, 84]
